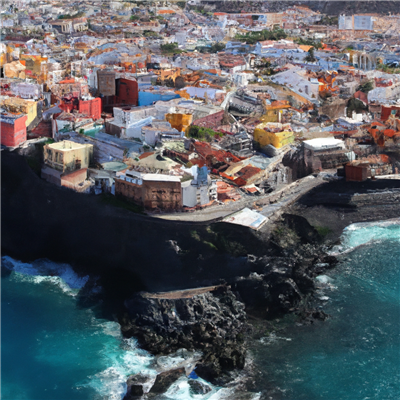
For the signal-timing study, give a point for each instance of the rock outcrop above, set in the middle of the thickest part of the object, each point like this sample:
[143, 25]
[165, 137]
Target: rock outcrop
[213, 322]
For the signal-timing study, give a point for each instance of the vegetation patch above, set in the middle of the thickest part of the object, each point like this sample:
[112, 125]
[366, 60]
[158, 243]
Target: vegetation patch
[170, 48]
[254, 37]
[203, 134]
[323, 230]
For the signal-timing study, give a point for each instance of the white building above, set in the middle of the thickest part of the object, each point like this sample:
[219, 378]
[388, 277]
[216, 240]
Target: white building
[356, 22]
[199, 191]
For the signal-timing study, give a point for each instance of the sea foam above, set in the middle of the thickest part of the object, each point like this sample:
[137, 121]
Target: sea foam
[44, 270]
[363, 233]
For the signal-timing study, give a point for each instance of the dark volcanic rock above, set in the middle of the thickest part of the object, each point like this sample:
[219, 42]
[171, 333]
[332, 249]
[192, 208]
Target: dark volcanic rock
[135, 386]
[197, 387]
[212, 322]
[165, 379]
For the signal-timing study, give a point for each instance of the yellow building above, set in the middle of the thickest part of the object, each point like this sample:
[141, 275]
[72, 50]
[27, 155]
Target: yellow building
[68, 156]
[16, 105]
[36, 66]
[275, 134]
[273, 111]
[179, 121]
[13, 52]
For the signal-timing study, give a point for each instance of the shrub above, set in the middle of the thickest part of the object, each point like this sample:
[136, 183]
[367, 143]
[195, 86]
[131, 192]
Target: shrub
[203, 134]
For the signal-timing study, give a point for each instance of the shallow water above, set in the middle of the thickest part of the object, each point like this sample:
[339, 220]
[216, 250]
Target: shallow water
[354, 355]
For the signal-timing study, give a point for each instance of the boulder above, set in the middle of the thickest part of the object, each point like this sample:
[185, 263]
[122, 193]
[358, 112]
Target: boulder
[197, 387]
[213, 322]
[136, 384]
[165, 379]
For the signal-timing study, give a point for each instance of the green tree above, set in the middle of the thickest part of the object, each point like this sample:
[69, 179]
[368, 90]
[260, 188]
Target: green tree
[366, 86]
[134, 18]
[310, 55]
[203, 134]
[169, 47]
[181, 4]
[254, 37]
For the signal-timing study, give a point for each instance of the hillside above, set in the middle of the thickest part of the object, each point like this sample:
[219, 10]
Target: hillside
[325, 7]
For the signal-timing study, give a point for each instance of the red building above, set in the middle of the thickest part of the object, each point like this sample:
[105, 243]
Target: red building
[91, 108]
[126, 94]
[13, 129]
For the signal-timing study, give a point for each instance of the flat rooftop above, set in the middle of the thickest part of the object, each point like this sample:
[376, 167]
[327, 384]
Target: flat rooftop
[67, 145]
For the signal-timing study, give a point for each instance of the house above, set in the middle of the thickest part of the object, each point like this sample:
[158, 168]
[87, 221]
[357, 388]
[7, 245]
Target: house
[66, 164]
[13, 129]
[151, 191]
[299, 81]
[368, 167]
[128, 121]
[274, 111]
[272, 48]
[200, 190]
[326, 153]
[275, 134]
[16, 105]
[356, 22]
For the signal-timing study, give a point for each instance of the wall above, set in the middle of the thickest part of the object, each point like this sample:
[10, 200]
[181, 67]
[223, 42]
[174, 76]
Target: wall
[130, 191]
[363, 22]
[74, 178]
[65, 159]
[126, 94]
[13, 133]
[356, 173]
[277, 140]
[91, 108]
[164, 195]
[106, 82]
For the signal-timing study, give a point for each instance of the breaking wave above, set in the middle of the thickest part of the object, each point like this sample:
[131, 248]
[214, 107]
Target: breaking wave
[363, 233]
[44, 270]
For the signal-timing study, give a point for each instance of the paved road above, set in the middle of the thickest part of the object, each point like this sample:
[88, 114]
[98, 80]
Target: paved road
[287, 195]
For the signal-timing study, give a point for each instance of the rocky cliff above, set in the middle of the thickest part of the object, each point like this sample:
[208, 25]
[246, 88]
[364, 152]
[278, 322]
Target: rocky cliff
[213, 322]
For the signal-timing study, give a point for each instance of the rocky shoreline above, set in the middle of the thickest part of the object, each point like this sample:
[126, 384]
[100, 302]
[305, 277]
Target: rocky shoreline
[255, 275]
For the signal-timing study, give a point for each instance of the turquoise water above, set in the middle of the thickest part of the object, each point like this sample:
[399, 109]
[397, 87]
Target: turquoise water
[354, 355]
[52, 349]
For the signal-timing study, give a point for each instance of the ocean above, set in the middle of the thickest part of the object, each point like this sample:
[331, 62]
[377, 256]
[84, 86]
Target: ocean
[355, 354]
[54, 349]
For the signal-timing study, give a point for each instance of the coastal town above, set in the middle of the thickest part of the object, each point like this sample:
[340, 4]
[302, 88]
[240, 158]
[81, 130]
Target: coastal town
[179, 107]
[200, 199]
